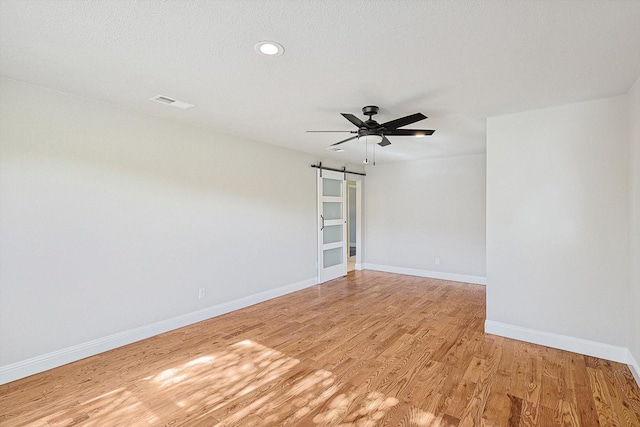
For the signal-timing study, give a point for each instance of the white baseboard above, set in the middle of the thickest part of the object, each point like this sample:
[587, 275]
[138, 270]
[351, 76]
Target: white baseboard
[478, 280]
[634, 367]
[562, 342]
[54, 359]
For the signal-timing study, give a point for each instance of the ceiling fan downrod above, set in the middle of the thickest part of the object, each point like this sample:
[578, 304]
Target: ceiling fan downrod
[370, 110]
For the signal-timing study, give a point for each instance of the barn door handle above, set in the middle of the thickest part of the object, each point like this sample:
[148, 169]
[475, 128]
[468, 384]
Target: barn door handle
[322, 228]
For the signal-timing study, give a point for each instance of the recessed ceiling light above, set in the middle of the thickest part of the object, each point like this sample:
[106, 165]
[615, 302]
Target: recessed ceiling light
[420, 135]
[269, 48]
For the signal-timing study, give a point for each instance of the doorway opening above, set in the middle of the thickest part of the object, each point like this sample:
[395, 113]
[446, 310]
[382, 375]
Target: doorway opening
[352, 241]
[355, 216]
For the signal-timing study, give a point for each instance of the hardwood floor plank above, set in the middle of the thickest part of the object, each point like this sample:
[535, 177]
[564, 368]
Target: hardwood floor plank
[497, 408]
[604, 404]
[370, 349]
[623, 382]
[566, 414]
[515, 411]
[531, 400]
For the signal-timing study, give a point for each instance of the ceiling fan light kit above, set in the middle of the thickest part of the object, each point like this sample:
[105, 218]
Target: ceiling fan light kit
[370, 139]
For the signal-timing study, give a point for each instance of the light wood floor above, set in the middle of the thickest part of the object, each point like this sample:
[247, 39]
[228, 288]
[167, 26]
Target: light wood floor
[372, 349]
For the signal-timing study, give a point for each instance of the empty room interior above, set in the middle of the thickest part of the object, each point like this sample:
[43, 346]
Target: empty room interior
[334, 213]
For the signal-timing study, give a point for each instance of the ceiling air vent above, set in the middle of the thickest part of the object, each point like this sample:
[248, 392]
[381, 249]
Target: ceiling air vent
[172, 102]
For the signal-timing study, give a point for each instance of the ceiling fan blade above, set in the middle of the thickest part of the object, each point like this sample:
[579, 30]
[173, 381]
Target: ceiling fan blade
[410, 132]
[403, 121]
[344, 140]
[353, 119]
[348, 131]
[384, 142]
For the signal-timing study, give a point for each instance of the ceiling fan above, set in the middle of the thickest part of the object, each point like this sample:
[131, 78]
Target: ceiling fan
[374, 132]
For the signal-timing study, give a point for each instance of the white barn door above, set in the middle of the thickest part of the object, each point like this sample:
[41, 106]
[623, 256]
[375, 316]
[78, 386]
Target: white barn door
[332, 225]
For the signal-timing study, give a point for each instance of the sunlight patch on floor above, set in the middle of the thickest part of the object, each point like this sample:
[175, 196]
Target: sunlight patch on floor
[345, 410]
[220, 386]
[212, 381]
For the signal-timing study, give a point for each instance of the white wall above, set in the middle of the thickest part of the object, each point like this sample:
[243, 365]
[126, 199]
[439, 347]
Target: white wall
[112, 220]
[558, 226]
[426, 209]
[634, 181]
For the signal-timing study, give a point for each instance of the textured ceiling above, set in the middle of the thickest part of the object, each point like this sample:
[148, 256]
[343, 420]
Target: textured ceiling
[458, 62]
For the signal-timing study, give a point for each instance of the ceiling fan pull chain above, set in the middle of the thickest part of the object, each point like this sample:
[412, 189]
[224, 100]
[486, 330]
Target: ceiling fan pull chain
[374, 154]
[366, 153]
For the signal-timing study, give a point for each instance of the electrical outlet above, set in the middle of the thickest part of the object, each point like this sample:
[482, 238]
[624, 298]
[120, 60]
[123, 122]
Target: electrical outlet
[437, 261]
[201, 293]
